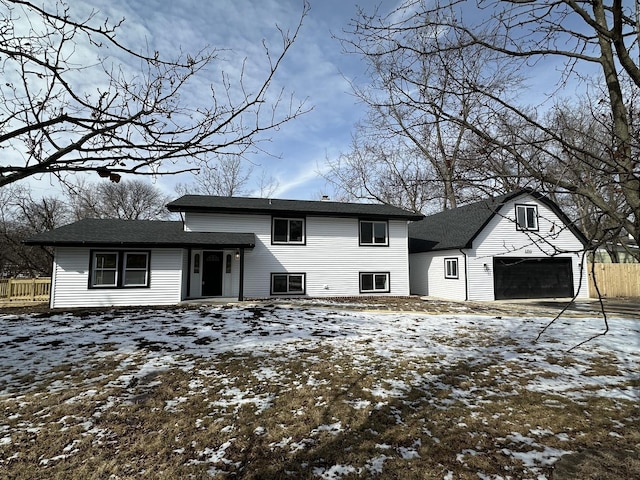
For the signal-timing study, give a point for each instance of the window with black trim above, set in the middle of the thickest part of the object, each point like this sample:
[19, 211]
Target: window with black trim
[119, 269]
[451, 268]
[136, 269]
[374, 282]
[104, 266]
[374, 233]
[288, 283]
[527, 217]
[288, 230]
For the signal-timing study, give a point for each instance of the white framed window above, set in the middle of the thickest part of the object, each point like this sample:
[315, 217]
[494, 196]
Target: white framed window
[374, 233]
[374, 282]
[451, 268]
[119, 269]
[288, 283]
[104, 269]
[288, 231]
[136, 269]
[527, 217]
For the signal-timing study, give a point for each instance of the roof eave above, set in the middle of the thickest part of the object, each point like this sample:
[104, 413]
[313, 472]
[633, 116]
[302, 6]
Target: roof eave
[290, 212]
[103, 244]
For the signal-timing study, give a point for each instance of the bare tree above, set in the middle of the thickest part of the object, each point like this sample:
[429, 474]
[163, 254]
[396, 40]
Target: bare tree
[517, 36]
[406, 95]
[385, 171]
[129, 200]
[22, 216]
[230, 176]
[130, 120]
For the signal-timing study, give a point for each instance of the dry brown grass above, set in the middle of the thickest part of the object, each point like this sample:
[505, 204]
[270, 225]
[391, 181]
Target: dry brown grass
[269, 417]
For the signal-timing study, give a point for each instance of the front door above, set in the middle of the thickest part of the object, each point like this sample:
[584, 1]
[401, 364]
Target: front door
[212, 274]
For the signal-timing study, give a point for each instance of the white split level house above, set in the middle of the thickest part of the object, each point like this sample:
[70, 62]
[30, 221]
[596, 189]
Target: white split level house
[518, 245]
[515, 246]
[231, 247]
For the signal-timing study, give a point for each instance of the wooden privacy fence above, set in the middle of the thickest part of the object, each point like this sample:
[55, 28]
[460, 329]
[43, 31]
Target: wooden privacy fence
[25, 290]
[615, 279]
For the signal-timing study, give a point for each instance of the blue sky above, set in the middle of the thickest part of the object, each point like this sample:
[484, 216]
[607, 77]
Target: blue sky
[315, 70]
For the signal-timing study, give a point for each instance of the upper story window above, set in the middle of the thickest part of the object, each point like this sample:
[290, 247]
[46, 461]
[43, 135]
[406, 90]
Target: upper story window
[119, 269]
[527, 217]
[374, 233]
[288, 230]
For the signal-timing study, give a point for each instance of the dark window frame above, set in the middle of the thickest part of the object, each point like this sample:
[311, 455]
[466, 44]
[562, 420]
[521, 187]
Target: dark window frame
[527, 228]
[288, 275]
[451, 261]
[121, 269]
[373, 281]
[373, 243]
[288, 241]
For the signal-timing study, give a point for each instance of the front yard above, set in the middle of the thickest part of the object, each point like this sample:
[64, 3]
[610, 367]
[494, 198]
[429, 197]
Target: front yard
[270, 391]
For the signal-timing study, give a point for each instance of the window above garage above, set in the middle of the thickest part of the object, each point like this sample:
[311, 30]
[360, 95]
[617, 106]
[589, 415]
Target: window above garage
[527, 217]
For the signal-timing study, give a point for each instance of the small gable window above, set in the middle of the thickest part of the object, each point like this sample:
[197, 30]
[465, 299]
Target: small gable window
[527, 217]
[373, 233]
[450, 268]
[288, 230]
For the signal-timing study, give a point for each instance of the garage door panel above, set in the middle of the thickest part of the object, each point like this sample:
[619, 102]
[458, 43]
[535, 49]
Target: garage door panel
[532, 278]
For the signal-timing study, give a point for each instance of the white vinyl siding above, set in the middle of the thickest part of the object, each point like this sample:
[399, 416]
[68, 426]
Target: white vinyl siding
[331, 257]
[500, 238]
[70, 287]
[428, 275]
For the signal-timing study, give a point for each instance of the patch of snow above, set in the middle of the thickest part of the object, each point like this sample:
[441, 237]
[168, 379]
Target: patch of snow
[375, 465]
[333, 429]
[334, 472]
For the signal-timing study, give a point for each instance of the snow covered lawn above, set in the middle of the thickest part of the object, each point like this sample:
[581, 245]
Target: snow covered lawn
[270, 391]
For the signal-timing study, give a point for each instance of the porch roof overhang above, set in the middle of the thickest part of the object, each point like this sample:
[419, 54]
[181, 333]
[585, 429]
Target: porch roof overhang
[137, 234]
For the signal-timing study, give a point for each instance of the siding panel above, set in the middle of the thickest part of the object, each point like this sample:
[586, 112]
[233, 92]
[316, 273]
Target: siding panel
[331, 258]
[71, 273]
[428, 275]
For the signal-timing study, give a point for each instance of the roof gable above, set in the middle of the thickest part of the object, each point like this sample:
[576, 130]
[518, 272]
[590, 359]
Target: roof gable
[457, 228]
[271, 206]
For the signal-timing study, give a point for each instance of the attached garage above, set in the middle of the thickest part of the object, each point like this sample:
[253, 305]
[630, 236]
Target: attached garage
[525, 277]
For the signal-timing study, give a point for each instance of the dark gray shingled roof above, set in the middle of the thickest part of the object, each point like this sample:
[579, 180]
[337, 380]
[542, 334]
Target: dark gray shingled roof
[206, 203]
[457, 228]
[137, 233]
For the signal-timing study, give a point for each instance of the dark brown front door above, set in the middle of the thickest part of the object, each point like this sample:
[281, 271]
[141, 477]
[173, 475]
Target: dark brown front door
[212, 274]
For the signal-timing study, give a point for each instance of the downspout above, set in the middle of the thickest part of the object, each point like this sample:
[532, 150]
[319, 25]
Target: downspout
[466, 277]
[241, 281]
